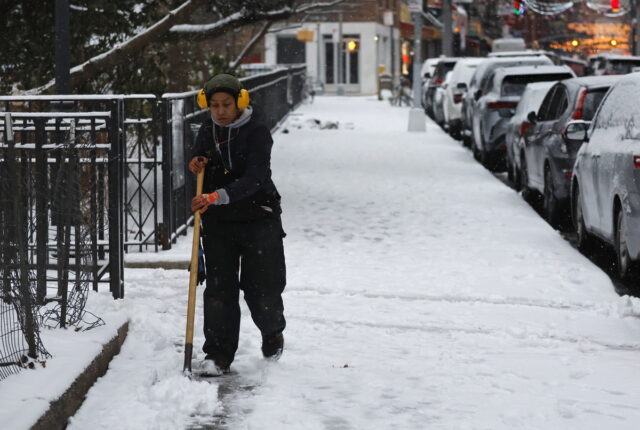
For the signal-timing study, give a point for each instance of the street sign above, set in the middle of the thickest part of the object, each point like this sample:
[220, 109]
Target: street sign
[415, 6]
[387, 18]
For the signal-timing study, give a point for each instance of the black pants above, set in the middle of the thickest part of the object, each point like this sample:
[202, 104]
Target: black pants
[246, 256]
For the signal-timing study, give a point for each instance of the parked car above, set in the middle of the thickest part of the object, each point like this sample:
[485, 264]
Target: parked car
[508, 44]
[497, 103]
[579, 67]
[614, 64]
[484, 71]
[454, 92]
[605, 192]
[546, 157]
[438, 100]
[426, 72]
[439, 73]
[524, 53]
[518, 124]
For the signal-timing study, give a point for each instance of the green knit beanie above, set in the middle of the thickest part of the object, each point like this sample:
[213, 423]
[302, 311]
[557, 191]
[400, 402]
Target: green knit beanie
[223, 83]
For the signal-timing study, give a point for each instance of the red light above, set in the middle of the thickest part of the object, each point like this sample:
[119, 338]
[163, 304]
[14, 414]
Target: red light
[577, 114]
[524, 127]
[636, 161]
[615, 5]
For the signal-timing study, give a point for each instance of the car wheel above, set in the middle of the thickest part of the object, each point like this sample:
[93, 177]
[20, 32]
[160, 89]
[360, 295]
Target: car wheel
[550, 203]
[527, 193]
[517, 180]
[627, 268]
[584, 238]
[510, 176]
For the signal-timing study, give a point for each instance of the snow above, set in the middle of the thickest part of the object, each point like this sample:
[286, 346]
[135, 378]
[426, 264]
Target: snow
[25, 396]
[422, 293]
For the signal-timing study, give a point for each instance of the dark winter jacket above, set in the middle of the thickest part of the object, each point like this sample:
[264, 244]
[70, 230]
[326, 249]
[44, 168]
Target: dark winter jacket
[242, 167]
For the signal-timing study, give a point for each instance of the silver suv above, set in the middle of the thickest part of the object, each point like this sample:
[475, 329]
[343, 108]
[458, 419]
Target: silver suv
[497, 103]
[605, 191]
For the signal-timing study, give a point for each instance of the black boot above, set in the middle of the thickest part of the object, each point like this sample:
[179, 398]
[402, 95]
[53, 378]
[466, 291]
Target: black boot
[272, 346]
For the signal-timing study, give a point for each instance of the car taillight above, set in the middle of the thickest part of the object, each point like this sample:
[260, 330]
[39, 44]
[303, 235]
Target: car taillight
[457, 98]
[438, 81]
[501, 105]
[636, 161]
[568, 174]
[577, 113]
[524, 127]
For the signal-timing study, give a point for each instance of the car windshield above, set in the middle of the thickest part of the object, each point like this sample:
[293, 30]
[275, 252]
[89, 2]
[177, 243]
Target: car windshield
[591, 103]
[622, 67]
[515, 85]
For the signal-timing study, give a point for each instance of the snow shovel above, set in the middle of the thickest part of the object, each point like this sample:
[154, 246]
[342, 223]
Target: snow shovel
[193, 280]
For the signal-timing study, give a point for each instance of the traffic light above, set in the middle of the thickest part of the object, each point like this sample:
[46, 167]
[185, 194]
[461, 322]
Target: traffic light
[518, 7]
[615, 5]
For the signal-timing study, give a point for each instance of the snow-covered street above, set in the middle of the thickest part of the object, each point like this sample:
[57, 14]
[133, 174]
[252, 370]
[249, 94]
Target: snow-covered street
[421, 293]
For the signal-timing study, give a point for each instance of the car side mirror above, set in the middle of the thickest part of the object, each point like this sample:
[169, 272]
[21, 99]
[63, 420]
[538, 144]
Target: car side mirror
[477, 94]
[532, 117]
[576, 131]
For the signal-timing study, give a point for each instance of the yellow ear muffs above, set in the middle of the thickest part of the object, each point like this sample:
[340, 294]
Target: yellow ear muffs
[243, 99]
[202, 99]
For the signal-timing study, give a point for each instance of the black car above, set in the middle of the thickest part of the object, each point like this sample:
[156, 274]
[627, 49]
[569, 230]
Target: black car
[445, 65]
[546, 156]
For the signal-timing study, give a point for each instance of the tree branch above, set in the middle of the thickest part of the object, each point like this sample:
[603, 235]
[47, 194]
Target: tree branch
[122, 51]
[244, 17]
[235, 63]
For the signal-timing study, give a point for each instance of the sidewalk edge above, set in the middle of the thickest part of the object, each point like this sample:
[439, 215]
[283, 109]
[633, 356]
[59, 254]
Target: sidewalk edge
[61, 409]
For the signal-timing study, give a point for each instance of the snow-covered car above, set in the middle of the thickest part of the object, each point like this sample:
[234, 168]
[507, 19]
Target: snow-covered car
[454, 91]
[508, 44]
[484, 72]
[497, 104]
[546, 157]
[605, 191]
[614, 64]
[444, 65]
[518, 124]
[426, 72]
[525, 53]
[439, 99]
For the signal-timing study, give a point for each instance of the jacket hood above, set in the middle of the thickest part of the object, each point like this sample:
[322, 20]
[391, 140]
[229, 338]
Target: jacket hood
[244, 118]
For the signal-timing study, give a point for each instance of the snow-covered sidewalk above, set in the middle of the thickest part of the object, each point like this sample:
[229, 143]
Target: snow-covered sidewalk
[422, 293]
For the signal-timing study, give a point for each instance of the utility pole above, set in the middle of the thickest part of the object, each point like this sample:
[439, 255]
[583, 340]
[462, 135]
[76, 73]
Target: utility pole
[447, 35]
[318, 55]
[417, 120]
[340, 88]
[637, 28]
[62, 50]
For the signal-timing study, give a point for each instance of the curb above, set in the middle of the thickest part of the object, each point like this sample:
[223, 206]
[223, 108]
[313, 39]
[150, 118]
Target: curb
[60, 410]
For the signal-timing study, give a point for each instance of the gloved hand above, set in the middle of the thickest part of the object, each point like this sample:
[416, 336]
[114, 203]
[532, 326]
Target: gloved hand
[197, 164]
[201, 203]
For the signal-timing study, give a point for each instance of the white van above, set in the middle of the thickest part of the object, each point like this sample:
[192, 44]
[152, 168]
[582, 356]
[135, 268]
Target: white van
[508, 44]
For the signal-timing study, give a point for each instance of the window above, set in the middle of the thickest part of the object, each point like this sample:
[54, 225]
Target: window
[290, 50]
[559, 104]
[546, 103]
[591, 103]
